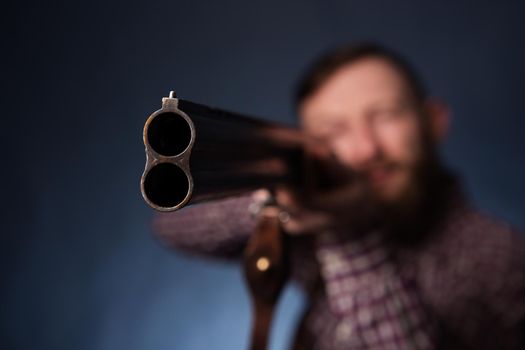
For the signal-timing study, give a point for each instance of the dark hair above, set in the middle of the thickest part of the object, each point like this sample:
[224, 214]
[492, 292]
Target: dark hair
[322, 69]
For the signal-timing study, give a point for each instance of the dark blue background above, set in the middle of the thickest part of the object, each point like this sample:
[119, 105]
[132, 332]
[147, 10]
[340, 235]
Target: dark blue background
[79, 268]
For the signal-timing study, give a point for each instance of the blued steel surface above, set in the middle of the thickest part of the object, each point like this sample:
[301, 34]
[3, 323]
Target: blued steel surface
[196, 153]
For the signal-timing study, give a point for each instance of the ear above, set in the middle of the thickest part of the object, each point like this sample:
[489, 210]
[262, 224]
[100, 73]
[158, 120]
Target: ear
[438, 118]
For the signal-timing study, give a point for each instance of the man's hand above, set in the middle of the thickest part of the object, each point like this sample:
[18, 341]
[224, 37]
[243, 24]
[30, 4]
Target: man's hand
[331, 197]
[346, 207]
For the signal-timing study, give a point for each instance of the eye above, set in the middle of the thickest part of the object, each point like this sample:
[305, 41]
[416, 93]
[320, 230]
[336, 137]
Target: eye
[386, 114]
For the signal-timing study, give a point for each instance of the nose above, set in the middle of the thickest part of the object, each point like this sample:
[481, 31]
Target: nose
[358, 148]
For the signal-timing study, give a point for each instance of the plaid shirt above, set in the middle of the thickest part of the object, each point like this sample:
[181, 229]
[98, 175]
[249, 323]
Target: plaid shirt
[464, 288]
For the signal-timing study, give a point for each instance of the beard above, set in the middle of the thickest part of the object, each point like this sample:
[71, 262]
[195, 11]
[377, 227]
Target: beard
[399, 195]
[416, 203]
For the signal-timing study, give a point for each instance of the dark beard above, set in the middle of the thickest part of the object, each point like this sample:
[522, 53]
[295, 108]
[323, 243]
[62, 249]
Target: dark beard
[411, 218]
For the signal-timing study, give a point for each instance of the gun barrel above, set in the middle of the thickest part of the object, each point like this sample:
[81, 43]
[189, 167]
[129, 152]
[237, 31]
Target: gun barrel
[196, 153]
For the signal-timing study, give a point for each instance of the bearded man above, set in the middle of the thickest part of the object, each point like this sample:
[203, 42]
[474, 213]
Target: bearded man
[397, 258]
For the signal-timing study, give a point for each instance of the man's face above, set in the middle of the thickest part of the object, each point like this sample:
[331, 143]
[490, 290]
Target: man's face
[368, 117]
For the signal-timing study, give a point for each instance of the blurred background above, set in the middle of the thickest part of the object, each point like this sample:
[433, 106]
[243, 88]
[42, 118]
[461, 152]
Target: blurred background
[79, 267]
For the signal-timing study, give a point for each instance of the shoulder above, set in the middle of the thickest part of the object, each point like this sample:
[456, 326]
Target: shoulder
[479, 288]
[477, 250]
[484, 247]
[474, 259]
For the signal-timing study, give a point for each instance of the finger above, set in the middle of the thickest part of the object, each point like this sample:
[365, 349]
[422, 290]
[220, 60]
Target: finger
[287, 200]
[261, 195]
[310, 224]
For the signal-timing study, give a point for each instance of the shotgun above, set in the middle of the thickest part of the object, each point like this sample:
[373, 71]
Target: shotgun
[196, 153]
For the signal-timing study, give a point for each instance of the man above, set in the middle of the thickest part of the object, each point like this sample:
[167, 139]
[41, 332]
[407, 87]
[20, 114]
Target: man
[396, 258]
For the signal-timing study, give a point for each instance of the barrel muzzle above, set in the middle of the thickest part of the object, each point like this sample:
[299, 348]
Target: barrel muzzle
[169, 135]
